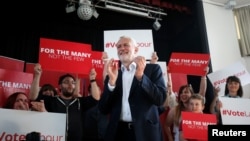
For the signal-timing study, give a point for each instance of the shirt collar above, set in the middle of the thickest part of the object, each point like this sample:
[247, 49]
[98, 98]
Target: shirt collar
[132, 66]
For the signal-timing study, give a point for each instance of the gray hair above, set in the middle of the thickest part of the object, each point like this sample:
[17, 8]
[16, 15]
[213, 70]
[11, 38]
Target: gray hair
[132, 40]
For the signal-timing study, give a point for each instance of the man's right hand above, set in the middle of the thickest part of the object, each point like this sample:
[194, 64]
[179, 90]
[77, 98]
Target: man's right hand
[37, 69]
[112, 71]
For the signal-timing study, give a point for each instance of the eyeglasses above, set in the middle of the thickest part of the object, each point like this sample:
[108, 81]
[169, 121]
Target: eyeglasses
[68, 82]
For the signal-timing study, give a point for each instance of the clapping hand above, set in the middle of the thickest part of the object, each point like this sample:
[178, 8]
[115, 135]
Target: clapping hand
[112, 70]
[141, 64]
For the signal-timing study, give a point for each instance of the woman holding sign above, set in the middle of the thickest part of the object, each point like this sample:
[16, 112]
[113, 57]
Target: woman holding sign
[174, 116]
[233, 89]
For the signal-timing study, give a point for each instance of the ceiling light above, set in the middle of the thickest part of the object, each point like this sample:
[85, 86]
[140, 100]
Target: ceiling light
[85, 11]
[70, 7]
[156, 25]
[95, 14]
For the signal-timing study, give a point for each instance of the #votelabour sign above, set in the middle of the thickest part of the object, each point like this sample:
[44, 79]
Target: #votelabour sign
[143, 38]
[218, 78]
[51, 126]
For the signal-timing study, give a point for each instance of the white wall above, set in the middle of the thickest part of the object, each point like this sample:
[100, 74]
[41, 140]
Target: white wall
[222, 38]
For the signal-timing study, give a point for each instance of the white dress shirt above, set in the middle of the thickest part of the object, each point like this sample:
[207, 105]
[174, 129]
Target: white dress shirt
[127, 79]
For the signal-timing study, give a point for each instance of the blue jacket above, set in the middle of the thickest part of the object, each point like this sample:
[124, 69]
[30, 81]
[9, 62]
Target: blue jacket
[144, 99]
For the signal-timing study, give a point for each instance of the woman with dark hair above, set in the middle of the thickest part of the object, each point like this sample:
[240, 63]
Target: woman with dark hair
[174, 116]
[20, 101]
[47, 89]
[233, 89]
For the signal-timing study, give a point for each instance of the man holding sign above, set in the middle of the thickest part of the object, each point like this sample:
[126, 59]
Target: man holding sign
[131, 95]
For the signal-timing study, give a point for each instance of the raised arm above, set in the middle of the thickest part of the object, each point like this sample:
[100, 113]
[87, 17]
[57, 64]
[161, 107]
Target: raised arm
[171, 94]
[169, 83]
[105, 61]
[154, 58]
[77, 88]
[34, 88]
[214, 104]
[203, 83]
[94, 88]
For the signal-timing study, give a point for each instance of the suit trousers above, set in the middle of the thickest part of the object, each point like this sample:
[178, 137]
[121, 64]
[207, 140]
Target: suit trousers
[125, 132]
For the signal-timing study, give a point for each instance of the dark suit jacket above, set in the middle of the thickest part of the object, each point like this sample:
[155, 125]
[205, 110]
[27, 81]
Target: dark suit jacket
[144, 99]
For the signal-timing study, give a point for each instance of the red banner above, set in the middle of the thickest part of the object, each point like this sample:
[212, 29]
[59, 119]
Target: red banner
[189, 63]
[11, 64]
[97, 63]
[64, 56]
[13, 81]
[178, 79]
[194, 125]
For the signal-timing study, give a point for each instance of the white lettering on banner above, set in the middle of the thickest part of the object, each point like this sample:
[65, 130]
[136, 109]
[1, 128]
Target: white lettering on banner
[18, 137]
[208, 123]
[66, 57]
[199, 61]
[5, 84]
[188, 61]
[97, 61]
[185, 60]
[78, 58]
[187, 122]
[80, 54]
[54, 56]
[21, 85]
[15, 85]
[62, 52]
[196, 123]
[47, 50]
[175, 60]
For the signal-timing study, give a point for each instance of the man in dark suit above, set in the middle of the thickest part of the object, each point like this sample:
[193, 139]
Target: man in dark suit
[132, 94]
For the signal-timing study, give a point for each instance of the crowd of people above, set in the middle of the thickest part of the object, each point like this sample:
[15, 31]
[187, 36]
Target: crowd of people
[129, 106]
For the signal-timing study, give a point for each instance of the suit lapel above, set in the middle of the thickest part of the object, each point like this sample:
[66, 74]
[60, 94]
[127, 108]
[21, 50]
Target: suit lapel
[120, 82]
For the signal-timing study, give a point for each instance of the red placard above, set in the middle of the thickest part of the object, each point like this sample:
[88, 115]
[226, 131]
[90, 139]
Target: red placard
[194, 125]
[64, 56]
[189, 63]
[11, 64]
[13, 81]
[97, 63]
[178, 80]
